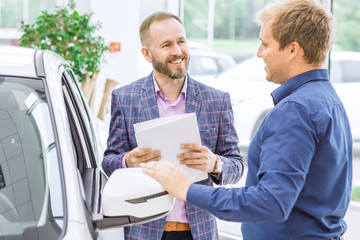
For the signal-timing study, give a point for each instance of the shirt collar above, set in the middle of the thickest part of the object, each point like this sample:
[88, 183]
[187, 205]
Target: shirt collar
[158, 91]
[293, 83]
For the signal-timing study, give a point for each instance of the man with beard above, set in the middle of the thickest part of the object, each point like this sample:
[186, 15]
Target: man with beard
[169, 90]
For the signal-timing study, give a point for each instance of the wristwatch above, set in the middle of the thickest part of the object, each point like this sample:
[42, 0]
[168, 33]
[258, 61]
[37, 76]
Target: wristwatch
[218, 165]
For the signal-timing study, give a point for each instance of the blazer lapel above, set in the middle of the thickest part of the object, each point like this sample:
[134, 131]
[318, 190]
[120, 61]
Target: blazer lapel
[149, 104]
[193, 99]
[148, 98]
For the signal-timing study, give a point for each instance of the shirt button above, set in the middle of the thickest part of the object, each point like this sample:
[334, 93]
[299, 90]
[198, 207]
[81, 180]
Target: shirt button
[170, 108]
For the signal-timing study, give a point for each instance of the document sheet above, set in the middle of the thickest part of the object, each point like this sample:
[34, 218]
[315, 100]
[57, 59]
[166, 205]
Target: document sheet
[167, 134]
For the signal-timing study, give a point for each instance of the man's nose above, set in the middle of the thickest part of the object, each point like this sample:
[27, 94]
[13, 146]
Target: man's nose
[176, 50]
[259, 52]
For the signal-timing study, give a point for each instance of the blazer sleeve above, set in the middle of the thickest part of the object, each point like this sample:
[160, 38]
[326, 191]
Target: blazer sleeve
[118, 140]
[227, 146]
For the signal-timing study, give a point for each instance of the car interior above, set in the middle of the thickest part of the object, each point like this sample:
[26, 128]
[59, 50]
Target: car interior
[25, 204]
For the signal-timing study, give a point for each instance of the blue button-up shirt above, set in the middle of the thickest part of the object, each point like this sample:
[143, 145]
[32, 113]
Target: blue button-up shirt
[299, 167]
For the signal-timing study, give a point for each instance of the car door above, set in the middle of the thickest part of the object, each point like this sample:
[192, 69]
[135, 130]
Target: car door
[88, 152]
[84, 143]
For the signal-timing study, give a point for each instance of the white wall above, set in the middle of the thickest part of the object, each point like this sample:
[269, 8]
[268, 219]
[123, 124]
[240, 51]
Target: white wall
[120, 23]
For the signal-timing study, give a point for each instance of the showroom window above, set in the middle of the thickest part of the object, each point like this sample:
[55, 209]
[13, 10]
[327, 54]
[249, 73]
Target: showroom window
[13, 12]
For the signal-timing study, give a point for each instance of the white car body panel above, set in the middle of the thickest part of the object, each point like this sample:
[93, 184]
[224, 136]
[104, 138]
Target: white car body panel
[53, 102]
[251, 94]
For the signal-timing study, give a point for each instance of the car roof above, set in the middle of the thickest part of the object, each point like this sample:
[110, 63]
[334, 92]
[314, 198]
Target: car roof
[209, 53]
[17, 61]
[344, 55]
[253, 67]
[27, 62]
[199, 49]
[249, 69]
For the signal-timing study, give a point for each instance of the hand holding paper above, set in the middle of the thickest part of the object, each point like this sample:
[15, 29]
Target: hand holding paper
[167, 135]
[139, 155]
[199, 157]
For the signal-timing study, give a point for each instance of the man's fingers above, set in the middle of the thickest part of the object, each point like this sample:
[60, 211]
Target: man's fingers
[151, 173]
[154, 169]
[198, 164]
[170, 176]
[196, 151]
[143, 155]
[194, 147]
[192, 161]
[160, 166]
[154, 159]
[149, 165]
[195, 164]
[153, 156]
[197, 167]
[141, 151]
[144, 151]
[189, 155]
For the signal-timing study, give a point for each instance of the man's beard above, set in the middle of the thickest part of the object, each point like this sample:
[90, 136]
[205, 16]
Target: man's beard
[177, 74]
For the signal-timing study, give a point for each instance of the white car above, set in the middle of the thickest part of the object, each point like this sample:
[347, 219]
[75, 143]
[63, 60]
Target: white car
[51, 186]
[208, 63]
[345, 76]
[251, 92]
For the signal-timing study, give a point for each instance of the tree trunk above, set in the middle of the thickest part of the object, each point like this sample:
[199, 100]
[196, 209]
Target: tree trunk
[105, 103]
[85, 85]
[92, 90]
[88, 88]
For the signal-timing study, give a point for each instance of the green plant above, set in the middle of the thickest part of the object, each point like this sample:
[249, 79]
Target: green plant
[355, 194]
[72, 36]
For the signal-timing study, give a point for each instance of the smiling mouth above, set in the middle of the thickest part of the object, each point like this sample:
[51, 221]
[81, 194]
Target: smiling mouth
[177, 61]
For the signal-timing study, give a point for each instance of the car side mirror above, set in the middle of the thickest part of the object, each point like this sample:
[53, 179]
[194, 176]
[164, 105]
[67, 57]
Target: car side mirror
[132, 197]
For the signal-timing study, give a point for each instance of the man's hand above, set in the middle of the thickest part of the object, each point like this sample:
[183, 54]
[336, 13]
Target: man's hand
[139, 155]
[199, 157]
[171, 177]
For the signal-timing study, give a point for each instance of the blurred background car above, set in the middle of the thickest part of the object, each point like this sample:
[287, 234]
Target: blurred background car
[207, 62]
[51, 183]
[251, 92]
[204, 62]
[345, 75]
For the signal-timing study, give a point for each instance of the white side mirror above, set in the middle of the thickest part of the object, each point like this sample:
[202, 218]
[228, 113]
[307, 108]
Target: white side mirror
[130, 192]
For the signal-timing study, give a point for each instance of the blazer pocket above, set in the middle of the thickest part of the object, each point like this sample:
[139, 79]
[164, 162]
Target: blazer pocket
[208, 137]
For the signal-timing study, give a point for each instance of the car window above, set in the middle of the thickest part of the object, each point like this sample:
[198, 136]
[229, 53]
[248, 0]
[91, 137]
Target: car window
[203, 65]
[224, 64]
[251, 69]
[83, 139]
[81, 117]
[83, 108]
[31, 194]
[345, 71]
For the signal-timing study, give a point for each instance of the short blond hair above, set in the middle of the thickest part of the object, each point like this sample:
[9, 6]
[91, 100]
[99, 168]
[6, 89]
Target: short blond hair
[155, 17]
[302, 21]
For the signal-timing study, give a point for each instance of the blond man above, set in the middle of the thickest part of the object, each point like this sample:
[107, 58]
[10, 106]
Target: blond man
[300, 160]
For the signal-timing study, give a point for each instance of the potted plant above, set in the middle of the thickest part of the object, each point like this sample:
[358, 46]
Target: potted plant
[72, 36]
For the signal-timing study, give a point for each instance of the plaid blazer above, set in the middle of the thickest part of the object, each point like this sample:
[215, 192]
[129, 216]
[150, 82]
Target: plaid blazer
[135, 103]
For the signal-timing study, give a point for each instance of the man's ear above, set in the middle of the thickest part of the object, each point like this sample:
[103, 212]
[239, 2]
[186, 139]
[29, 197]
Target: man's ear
[294, 49]
[145, 52]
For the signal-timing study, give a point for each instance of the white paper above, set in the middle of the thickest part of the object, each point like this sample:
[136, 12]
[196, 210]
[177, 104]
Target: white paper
[167, 134]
